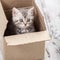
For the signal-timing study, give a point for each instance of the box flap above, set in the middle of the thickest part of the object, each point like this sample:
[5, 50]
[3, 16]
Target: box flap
[8, 4]
[41, 7]
[39, 4]
[27, 38]
[3, 21]
[41, 17]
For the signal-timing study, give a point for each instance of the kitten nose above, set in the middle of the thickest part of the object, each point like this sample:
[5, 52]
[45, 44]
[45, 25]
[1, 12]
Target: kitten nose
[25, 24]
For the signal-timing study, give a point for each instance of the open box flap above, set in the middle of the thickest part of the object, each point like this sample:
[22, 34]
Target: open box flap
[8, 4]
[41, 5]
[3, 21]
[27, 38]
[40, 14]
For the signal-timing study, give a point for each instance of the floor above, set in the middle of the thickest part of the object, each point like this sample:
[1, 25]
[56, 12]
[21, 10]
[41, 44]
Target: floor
[51, 12]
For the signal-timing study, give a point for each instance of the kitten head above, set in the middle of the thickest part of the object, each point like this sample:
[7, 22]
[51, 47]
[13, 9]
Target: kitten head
[23, 20]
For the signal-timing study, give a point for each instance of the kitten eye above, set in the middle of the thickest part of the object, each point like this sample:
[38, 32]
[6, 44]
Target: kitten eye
[21, 20]
[28, 20]
[16, 21]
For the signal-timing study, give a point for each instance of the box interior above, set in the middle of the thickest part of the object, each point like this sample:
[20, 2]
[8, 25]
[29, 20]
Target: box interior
[8, 5]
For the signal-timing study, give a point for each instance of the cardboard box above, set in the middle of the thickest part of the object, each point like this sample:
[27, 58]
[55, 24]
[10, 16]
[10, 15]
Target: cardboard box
[28, 46]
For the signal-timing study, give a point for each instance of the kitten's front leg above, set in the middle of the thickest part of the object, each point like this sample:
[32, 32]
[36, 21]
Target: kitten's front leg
[18, 31]
[23, 31]
[32, 29]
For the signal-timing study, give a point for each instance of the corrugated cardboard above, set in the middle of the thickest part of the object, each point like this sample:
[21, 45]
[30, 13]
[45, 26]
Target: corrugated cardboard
[28, 46]
[3, 21]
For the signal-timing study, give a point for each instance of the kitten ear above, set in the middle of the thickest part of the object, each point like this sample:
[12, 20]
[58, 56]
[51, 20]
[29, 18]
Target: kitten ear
[15, 11]
[31, 11]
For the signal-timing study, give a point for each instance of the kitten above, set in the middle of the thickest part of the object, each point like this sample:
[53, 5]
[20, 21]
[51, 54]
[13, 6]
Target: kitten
[23, 20]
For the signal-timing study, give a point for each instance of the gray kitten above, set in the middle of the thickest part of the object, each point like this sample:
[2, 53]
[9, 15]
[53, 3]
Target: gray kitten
[23, 19]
